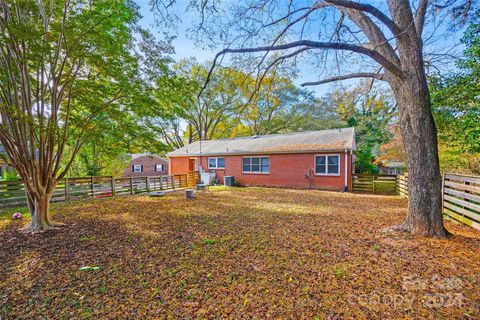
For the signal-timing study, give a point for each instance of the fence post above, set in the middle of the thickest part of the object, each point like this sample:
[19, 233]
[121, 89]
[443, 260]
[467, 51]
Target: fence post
[191, 179]
[373, 184]
[113, 186]
[148, 184]
[91, 186]
[173, 182]
[131, 185]
[67, 197]
[397, 190]
[443, 189]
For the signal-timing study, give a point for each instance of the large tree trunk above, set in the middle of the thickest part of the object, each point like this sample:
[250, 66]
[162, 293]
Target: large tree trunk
[39, 206]
[420, 141]
[425, 217]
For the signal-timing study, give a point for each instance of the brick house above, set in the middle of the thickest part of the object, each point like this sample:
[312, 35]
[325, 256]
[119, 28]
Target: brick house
[143, 165]
[317, 159]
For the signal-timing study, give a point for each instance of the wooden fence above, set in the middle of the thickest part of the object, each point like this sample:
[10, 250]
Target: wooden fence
[12, 193]
[460, 196]
[402, 185]
[375, 183]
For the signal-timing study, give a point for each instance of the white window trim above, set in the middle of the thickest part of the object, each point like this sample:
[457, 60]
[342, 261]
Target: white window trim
[260, 164]
[216, 163]
[135, 166]
[326, 164]
[162, 168]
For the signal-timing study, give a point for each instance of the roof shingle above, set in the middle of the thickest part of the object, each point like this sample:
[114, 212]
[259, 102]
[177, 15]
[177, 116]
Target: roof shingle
[295, 142]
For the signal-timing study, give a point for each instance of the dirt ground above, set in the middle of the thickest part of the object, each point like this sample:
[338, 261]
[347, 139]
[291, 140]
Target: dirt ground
[241, 253]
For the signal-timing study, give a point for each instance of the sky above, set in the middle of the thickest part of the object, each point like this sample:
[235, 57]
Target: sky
[186, 48]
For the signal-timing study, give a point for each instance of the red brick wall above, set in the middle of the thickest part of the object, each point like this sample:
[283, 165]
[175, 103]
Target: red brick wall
[148, 167]
[286, 170]
[178, 165]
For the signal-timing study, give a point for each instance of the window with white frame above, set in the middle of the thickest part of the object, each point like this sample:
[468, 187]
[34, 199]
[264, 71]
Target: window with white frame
[137, 168]
[159, 167]
[216, 163]
[327, 165]
[256, 164]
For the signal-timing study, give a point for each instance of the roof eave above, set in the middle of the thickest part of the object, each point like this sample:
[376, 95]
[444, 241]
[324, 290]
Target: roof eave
[255, 153]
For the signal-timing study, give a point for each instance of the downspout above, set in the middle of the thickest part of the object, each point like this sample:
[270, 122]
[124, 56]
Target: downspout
[346, 170]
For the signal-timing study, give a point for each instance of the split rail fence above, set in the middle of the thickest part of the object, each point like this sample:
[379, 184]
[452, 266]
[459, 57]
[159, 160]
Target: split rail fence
[460, 197]
[375, 183]
[12, 193]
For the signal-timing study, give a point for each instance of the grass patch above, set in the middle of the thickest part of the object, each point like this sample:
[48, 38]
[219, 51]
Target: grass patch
[209, 242]
[87, 238]
[340, 271]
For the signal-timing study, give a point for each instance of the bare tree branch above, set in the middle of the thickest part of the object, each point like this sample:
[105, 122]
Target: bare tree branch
[345, 77]
[369, 9]
[313, 45]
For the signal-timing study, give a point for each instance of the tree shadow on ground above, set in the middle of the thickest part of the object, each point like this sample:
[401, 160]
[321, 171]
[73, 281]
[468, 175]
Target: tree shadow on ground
[238, 253]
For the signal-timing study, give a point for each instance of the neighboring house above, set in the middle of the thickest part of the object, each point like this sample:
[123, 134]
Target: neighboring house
[392, 167]
[318, 159]
[3, 165]
[143, 165]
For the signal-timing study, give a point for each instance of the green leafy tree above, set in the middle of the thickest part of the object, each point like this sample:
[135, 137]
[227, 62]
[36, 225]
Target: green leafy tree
[232, 105]
[106, 150]
[219, 103]
[371, 113]
[456, 107]
[273, 105]
[318, 114]
[63, 64]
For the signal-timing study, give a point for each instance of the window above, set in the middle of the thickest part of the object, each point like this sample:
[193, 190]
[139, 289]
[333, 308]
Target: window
[327, 165]
[159, 167]
[256, 164]
[137, 168]
[216, 163]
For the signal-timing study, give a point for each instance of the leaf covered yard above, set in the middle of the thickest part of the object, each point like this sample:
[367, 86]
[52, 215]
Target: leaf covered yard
[237, 253]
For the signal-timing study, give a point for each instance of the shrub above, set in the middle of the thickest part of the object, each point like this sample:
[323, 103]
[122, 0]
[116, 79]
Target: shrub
[237, 183]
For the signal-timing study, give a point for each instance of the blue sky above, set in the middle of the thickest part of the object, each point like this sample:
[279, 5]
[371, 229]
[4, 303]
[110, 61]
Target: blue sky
[186, 48]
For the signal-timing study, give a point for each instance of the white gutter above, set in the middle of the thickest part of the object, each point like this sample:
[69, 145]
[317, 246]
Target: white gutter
[346, 170]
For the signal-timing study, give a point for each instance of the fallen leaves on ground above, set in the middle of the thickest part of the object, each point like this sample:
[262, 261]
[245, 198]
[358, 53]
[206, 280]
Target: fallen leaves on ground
[237, 253]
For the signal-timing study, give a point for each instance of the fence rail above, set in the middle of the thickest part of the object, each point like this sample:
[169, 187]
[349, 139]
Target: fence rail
[460, 197]
[402, 185]
[375, 183]
[12, 193]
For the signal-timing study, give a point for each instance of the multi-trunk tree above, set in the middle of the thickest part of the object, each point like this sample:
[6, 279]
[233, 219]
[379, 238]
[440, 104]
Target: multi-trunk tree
[63, 66]
[390, 35]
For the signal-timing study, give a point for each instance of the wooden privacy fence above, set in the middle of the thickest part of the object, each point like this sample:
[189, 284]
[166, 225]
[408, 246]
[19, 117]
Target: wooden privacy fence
[460, 197]
[12, 193]
[375, 183]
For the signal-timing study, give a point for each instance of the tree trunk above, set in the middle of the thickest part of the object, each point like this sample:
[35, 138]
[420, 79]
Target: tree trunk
[40, 212]
[425, 217]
